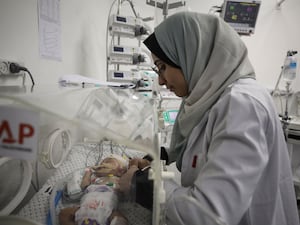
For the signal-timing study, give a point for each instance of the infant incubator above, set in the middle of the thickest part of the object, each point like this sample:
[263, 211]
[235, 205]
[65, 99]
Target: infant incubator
[68, 130]
[77, 128]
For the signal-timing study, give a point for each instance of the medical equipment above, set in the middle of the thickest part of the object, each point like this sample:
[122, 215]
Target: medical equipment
[16, 176]
[40, 134]
[128, 26]
[290, 114]
[290, 66]
[11, 74]
[117, 75]
[165, 6]
[124, 50]
[125, 111]
[142, 79]
[58, 139]
[120, 115]
[92, 119]
[241, 15]
[120, 57]
[288, 73]
[126, 55]
[75, 80]
[170, 116]
[292, 130]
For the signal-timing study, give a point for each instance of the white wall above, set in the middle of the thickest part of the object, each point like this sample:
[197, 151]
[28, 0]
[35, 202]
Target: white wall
[276, 33]
[83, 26]
[84, 31]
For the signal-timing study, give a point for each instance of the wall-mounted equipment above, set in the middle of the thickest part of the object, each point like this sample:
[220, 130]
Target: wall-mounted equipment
[124, 62]
[241, 15]
[117, 75]
[128, 26]
[126, 55]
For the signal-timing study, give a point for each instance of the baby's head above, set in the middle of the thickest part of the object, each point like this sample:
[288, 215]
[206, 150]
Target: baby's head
[112, 165]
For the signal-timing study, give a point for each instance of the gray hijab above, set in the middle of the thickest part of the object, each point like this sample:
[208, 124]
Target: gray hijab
[211, 56]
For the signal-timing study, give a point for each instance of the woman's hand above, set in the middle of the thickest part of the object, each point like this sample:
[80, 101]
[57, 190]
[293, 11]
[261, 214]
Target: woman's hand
[126, 179]
[140, 163]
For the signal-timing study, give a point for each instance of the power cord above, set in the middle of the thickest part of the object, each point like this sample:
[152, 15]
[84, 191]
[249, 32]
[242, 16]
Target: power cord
[16, 68]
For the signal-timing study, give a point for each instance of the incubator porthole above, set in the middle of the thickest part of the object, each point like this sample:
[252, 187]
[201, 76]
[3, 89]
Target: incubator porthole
[14, 187]
[56, 147]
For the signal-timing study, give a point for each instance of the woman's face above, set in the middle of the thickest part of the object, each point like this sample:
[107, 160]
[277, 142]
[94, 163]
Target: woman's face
[170, 76]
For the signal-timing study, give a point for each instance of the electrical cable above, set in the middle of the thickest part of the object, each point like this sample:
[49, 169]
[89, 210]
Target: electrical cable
[87, 156]
[15, 68]
[98, 148]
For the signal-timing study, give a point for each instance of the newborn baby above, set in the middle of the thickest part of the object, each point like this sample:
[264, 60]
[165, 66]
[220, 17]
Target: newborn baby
[98, 205]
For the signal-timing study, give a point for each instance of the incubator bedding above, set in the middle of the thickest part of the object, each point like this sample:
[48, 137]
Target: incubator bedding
[46, 204]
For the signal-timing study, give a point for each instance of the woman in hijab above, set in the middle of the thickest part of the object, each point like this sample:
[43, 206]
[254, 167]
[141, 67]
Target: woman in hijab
[227, 140]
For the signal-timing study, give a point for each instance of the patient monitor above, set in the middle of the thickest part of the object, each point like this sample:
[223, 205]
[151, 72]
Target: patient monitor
[241, 15]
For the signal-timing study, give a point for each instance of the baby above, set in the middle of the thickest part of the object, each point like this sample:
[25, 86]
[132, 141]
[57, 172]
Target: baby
[98, 205]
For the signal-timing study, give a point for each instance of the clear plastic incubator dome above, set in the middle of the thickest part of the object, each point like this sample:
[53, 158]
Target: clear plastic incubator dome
[77, 129]
[119, 114]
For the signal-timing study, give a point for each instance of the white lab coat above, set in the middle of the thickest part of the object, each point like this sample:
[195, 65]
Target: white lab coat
[236, 164]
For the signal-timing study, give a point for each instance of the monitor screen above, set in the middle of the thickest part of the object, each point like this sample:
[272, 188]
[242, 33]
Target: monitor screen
[170, 116]
[118, 75]
[241, 15]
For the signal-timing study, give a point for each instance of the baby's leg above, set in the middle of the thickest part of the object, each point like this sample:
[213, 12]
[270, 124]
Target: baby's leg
[67, 216]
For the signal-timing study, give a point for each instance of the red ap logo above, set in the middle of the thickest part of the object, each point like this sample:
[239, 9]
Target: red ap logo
[6, 134]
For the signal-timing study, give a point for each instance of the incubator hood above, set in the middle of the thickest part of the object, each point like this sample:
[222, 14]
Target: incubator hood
[58, 118]
[62, 116]
[113, 113]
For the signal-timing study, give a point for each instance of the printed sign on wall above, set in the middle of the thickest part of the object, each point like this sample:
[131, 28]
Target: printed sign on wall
[18, 133]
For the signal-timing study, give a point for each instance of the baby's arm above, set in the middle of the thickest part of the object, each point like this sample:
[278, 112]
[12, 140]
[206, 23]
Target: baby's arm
[86, 180]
